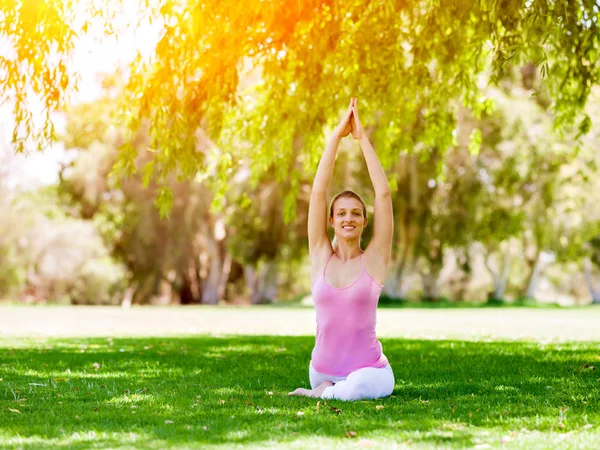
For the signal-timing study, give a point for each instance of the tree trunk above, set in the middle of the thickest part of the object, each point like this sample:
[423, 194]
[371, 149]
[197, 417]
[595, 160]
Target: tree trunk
[500, 280]
[146, 285]
[503, 282]
[210, 293]
[594, 289]
[430, 274]
[534, 278]
[431, 290]
[406, 261]
[404, 286]
[461, 286]
[269, 279]
[226, 269]
[265, 285]
[407, 213]
[126, 303]
[398, 282]
[186, 294]
[196, 279]
[251, 278]
[213, 284]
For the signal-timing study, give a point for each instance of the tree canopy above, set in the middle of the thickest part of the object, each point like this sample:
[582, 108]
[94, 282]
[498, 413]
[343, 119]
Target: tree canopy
[265, 79]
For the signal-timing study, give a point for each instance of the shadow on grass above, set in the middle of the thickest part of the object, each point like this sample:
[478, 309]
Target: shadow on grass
[233, 390]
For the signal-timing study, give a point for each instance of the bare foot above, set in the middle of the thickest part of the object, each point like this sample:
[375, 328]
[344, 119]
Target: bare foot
[317, 392]
[301, 391]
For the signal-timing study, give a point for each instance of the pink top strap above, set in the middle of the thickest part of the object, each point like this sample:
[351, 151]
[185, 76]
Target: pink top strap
[325, 266]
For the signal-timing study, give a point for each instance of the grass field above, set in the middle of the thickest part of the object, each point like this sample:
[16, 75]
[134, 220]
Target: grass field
[60, 388]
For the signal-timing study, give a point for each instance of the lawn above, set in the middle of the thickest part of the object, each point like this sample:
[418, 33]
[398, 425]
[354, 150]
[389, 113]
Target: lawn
[230, 391]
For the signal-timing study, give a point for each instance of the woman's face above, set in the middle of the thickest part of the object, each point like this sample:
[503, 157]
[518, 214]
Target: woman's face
[348, 221]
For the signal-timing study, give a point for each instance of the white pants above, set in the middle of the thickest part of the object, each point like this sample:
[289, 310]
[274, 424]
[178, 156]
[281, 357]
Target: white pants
[368, 382]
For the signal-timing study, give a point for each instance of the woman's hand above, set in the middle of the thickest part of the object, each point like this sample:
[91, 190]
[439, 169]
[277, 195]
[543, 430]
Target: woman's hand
[357, 129]
[345, 126]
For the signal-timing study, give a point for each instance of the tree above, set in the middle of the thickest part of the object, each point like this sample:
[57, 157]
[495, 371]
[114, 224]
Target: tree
[196, 250]
[311, 55]
[162, 257]
[12, 264]
[595, 259]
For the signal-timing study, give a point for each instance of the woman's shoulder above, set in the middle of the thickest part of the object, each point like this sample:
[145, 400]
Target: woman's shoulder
[318, 259]
[375, 264]
[320, 254]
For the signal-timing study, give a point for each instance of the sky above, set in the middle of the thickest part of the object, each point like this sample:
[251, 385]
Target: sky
[94, 54]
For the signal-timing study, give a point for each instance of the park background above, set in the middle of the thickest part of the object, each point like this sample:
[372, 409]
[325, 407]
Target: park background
[161, 153]
[178, 150]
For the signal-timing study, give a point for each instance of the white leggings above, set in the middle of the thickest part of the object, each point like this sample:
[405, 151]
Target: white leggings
[368, 382]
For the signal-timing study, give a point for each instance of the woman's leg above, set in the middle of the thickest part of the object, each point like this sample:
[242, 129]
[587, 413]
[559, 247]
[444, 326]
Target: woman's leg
[318, 382]
[317, 378]
[366, 383]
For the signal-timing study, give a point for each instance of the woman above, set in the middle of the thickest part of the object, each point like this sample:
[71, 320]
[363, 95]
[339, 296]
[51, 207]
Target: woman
[347, 360]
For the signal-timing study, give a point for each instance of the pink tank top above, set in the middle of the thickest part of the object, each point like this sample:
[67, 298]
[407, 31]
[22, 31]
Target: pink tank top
[346, 318]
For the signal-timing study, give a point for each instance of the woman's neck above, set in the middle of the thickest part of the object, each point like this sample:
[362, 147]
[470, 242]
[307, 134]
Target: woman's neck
[347, 251]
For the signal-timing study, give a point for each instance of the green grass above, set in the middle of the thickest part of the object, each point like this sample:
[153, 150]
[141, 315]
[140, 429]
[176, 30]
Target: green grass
[231, 392]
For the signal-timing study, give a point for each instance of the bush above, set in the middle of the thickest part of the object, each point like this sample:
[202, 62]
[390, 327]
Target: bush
[99, 282]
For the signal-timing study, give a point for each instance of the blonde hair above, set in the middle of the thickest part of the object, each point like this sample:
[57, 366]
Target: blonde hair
[346, 194]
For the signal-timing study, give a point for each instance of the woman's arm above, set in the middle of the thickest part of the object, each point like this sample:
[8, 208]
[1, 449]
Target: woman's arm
[317, 208]
[383, 227]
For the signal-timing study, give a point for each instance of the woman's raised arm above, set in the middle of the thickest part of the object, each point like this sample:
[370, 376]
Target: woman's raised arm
[317, 208]
[383, 227]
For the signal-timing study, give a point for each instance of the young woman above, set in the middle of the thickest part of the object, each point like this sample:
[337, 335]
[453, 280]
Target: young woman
[347, 360]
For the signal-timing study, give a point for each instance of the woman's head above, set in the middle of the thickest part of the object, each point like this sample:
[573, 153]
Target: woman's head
[347, 215]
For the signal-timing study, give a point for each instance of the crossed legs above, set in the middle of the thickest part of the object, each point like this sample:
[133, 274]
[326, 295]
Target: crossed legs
[369, 382]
